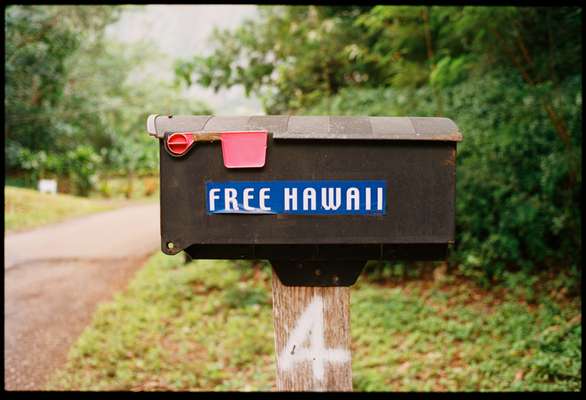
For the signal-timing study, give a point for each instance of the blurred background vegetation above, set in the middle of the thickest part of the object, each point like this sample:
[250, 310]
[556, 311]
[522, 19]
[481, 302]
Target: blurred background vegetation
[76, 102]
[75, 106]
[510, 77]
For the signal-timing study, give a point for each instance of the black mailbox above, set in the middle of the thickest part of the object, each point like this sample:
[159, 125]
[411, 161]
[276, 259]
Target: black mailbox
[317, 196]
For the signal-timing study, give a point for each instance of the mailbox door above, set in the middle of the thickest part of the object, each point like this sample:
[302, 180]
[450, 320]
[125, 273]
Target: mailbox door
[419, 196]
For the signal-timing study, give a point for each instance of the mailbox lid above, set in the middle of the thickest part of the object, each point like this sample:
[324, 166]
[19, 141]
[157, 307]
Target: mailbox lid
[314, 127]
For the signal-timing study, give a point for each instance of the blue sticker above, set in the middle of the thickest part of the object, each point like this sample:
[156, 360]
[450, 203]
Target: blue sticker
[297, 197]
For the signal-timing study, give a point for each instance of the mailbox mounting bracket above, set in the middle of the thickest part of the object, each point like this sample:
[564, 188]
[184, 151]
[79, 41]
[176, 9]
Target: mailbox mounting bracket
[313, 265]
[318, 273]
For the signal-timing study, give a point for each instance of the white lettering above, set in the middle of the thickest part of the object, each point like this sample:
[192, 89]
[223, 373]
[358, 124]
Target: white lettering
[330, 198]
[290, 197]
[247, 198]
[213, 197]
[367, 199]
[331, 202]
[263, 196]
[352, 196]
[309, 194]
[230, 199]
[379, 198]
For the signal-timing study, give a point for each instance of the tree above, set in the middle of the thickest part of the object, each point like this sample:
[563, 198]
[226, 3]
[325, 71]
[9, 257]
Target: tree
[509, 76]
[73, 97]
[39, 41]
[290, 57]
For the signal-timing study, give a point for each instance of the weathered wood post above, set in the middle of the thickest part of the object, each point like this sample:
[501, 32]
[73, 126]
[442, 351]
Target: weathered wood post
[312, 337]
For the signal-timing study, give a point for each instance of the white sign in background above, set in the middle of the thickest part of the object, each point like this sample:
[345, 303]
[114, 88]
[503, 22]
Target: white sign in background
[47, 186]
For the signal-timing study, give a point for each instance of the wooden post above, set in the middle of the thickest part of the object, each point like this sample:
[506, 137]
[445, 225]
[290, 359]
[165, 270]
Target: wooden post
[312, 337]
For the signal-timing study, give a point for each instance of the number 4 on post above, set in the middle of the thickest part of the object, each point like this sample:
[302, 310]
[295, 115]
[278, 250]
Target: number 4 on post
[310, 327]
[312, 337]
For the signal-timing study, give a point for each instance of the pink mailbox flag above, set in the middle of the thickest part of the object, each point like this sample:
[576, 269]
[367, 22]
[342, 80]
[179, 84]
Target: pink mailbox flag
[244, 149]
[240, 149]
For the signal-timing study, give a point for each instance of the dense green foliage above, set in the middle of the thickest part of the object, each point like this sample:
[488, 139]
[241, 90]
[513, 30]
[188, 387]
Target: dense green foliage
[76, 102]
[518, 202]
[509, 77]
[189, 327]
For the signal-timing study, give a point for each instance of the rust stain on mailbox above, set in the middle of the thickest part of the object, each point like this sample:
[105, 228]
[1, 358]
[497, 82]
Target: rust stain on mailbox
[334, 192]
[451, 160]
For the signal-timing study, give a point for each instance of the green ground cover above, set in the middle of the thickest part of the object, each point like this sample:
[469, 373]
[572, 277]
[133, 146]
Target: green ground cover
[27, 208]
[120, 188]
[207, 325]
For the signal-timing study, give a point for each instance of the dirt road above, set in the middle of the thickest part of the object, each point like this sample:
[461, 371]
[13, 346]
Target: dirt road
[56, 275]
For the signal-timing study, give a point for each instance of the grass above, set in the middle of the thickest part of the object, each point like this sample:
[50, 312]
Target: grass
[112, 187]
[207, 325]
[27, 208]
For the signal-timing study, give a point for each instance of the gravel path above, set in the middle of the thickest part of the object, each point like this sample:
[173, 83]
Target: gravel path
[55, 276]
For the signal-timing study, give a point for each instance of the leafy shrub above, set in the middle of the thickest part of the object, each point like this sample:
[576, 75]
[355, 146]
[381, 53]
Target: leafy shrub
[150, 186]
[82, 164]
[518, 185]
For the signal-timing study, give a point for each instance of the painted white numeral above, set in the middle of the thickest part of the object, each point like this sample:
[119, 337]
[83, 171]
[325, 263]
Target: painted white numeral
[310, 326]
